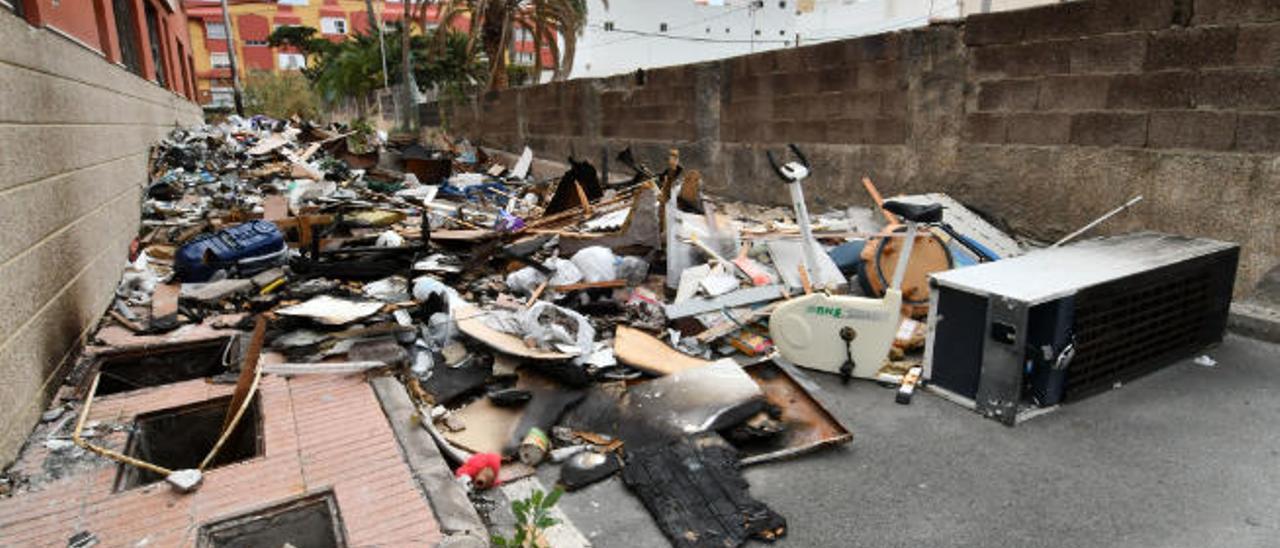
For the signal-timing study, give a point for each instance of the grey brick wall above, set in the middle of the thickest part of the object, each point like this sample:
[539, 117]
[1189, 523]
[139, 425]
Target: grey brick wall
[74, 138]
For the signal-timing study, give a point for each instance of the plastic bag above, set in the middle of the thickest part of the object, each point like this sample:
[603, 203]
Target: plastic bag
[525, 281]
[550, 327]
[388, 290]
[138, 281]
[633, 269]
[389, 238]
[565, 272]
[596, 264]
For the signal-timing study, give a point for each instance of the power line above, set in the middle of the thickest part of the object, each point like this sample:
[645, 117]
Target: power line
[707, 19]
[639, 33]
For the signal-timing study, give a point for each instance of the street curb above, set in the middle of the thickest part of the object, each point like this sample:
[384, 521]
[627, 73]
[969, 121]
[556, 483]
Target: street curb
[454, 512]
[1255, 321]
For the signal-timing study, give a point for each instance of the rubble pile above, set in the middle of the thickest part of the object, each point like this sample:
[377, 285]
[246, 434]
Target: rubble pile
[610, 326]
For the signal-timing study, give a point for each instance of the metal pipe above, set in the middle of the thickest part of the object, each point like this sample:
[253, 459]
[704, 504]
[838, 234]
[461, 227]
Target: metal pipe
[75, 437]
[900, 271]
[806, 229]
[1097, 221]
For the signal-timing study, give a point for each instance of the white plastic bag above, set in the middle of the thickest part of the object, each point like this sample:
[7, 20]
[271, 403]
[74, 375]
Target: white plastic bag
[596, 264]
[525, 281]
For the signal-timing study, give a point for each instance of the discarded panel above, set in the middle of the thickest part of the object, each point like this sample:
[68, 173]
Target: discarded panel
[697, 495]
[809, 425]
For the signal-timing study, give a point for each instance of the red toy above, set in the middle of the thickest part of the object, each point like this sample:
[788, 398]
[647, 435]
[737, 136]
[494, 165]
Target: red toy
[482, 468]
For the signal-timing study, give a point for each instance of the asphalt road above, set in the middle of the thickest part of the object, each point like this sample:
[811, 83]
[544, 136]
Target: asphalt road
[1186, 457]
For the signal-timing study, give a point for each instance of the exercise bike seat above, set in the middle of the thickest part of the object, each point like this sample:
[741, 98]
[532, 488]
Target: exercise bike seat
[916, 213]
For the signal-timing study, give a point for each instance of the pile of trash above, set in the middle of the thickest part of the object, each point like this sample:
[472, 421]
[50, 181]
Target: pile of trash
[605, 325]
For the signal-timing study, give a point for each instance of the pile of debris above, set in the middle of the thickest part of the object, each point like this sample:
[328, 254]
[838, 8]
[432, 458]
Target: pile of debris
[610, 325]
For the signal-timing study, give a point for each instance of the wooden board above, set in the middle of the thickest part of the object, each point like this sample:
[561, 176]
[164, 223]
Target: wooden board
[462, 235]
[646, 353]
[471, 322]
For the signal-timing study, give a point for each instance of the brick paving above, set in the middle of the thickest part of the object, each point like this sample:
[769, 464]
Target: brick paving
[320, 433]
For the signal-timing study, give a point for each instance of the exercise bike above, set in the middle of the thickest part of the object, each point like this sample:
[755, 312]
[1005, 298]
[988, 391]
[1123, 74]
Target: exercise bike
[841, 334]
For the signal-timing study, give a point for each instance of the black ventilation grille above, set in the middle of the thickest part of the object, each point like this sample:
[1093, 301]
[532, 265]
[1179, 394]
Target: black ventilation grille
[1133, 326]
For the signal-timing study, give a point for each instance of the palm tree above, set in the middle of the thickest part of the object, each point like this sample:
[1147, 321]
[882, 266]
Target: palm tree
[493, 21]
[353, 69]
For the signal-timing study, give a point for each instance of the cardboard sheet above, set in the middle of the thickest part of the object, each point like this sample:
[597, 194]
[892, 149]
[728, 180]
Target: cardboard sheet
[646, 353]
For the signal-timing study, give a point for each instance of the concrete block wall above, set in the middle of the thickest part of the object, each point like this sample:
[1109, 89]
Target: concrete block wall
[1042, 118]
[75, 132]
[1076, 106]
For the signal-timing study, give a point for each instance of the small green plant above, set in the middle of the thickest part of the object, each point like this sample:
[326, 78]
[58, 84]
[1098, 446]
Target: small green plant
[533, 518]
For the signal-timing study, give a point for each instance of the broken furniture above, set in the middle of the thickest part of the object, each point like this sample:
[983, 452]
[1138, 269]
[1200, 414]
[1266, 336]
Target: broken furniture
[1060, 324]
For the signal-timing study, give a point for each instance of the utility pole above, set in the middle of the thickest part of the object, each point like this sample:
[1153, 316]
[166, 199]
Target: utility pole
[408, 107]
[231, 58]
[382, 45]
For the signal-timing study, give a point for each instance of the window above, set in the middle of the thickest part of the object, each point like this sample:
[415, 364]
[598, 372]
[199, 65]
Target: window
[220, 60]
[128, 33]
[255, 42]
[333, 25]
[662, 27]
[608, 25]
[292, 61]
[215, 31]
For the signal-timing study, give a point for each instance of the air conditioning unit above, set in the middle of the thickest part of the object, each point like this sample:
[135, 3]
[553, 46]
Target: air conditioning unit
[1013, 337]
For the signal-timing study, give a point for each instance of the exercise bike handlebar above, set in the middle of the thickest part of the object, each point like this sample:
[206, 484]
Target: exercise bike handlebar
[773, 162]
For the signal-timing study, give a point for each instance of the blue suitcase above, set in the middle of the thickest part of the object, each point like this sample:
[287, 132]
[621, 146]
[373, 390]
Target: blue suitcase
[242, 250]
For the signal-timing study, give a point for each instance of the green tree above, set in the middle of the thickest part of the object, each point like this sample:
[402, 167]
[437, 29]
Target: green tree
[352, 69]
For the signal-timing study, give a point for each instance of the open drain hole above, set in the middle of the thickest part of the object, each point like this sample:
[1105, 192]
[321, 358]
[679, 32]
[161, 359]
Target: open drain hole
[181, 437]
[310, 522]
[133, 370]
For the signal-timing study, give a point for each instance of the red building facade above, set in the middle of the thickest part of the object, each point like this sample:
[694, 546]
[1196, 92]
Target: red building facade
[147, 37]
